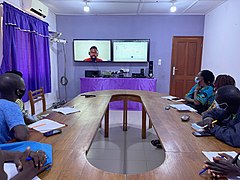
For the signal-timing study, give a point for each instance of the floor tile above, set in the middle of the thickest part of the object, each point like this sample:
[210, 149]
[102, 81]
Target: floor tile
[125, 151]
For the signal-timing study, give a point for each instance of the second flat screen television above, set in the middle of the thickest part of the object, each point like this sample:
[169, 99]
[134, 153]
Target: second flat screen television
[129, 50]
[82, 52]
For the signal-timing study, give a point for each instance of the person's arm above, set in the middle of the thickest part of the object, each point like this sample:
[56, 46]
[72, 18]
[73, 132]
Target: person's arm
[29, 168]
[21, 132]
[228, 134]
[15, 122]
[189, 95]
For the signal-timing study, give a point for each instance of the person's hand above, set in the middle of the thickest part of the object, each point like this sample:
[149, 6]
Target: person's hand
[223, 166]
[206, 121]
[31, 168]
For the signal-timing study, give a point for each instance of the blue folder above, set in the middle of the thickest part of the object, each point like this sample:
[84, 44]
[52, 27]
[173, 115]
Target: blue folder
[34, 146]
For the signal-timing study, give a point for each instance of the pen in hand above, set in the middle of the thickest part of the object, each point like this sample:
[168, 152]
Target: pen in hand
[206, 168]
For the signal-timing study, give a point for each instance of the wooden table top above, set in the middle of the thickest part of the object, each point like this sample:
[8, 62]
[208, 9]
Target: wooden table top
[184, 158]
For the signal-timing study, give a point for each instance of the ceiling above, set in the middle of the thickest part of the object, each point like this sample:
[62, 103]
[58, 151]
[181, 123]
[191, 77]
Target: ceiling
[132, 7]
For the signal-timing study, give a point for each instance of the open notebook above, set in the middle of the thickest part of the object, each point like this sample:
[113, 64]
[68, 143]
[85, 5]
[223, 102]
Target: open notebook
[46, 125]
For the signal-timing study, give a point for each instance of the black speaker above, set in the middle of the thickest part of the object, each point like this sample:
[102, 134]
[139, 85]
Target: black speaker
[150, 69]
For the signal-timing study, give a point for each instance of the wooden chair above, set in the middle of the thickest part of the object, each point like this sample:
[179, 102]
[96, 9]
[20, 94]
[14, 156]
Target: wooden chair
[36, 96]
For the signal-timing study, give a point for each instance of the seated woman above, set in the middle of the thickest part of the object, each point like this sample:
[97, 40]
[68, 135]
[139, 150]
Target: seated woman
[221, 80]
[201, 95]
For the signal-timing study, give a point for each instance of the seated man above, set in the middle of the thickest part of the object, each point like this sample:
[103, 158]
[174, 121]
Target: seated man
[29, 119]
[11, 119]
[227, 114]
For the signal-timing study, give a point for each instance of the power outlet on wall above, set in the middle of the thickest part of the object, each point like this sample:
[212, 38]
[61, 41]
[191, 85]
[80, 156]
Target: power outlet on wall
[160, 62]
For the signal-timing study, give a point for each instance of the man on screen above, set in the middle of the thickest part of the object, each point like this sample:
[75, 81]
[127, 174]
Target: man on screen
[93, 52]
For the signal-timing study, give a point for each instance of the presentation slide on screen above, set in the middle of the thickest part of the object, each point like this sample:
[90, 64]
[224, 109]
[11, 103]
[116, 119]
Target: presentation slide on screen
[82, 47]
[130, 51]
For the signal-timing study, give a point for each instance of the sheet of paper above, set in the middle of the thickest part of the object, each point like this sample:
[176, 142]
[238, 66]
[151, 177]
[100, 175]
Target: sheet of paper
[182, 107]
[11, 171]
[168, 97]
[211, 154]
[46, 125]
[66, 110]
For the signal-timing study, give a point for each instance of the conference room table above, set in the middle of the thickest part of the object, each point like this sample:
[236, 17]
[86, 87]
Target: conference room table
[183, 151]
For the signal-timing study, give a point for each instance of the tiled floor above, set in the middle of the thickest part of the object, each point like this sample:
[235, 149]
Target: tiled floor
[125, 151]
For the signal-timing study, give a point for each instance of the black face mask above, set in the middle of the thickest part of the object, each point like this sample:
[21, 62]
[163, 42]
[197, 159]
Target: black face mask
[20, 93]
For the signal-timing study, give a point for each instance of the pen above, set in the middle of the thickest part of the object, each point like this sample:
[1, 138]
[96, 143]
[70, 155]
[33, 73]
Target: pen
[205, 169]
[214, 121]
[202, 171]
[38, 126]
[28, 158]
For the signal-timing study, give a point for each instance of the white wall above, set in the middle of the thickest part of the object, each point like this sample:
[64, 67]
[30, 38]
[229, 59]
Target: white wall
[221, 50]
[51, 20]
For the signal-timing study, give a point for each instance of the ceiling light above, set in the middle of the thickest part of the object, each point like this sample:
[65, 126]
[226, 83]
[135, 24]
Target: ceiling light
[86, 8]
[173, 8]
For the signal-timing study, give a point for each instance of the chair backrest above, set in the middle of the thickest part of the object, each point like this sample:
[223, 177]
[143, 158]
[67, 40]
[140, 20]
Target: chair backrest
[34, 97]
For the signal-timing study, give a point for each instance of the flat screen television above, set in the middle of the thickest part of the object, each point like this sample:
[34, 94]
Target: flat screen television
[84, 49]
[131, 50]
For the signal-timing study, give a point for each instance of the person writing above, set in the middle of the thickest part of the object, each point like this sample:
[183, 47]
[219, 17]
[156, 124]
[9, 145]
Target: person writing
[93, 52]
[223, 166]
[12, 124]
[201, 95]
[226, 115]
[28, 163]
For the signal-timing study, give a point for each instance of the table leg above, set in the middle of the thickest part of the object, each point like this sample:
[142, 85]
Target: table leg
[106, 122]
[125, 115]
[150, 123]
[143, 123]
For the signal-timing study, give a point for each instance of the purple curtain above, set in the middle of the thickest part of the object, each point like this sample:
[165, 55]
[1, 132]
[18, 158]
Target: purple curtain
[26, 48]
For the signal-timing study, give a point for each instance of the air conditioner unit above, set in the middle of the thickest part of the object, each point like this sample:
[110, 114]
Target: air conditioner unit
[35, 7]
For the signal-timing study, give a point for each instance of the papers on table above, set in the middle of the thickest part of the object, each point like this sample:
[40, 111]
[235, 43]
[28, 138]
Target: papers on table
[210, 154]
[182, 107]
[46, 125]
[11, 171]
[173, 98]
[66, 110]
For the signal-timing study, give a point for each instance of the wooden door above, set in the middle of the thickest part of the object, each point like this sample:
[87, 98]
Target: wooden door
[186, 63]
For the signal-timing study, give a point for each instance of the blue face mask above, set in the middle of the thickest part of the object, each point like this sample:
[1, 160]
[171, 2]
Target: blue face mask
[196, 80]
[218, 106]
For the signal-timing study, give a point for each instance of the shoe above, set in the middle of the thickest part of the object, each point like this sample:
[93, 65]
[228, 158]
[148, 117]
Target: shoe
[159, 146]
[155, 142]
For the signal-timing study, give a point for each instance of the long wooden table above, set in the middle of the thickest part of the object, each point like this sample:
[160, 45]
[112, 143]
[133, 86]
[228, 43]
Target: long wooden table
[184, 157]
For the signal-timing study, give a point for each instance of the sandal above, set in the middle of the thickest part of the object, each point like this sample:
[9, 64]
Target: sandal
[155, 142]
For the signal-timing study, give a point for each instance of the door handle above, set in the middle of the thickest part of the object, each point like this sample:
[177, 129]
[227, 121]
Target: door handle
[174, 70]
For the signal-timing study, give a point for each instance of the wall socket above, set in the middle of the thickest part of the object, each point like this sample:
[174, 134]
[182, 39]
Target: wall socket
[160, 62]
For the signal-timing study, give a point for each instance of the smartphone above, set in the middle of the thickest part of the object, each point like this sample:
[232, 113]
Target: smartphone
[201, 133]
[52, 132]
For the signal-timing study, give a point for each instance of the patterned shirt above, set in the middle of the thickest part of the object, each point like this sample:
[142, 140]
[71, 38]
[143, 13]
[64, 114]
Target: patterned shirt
[205, 96]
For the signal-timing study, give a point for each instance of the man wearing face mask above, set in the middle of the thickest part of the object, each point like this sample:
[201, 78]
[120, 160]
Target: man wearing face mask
[12, 124]
[93, 52]
[201, 95]
[226, 115]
